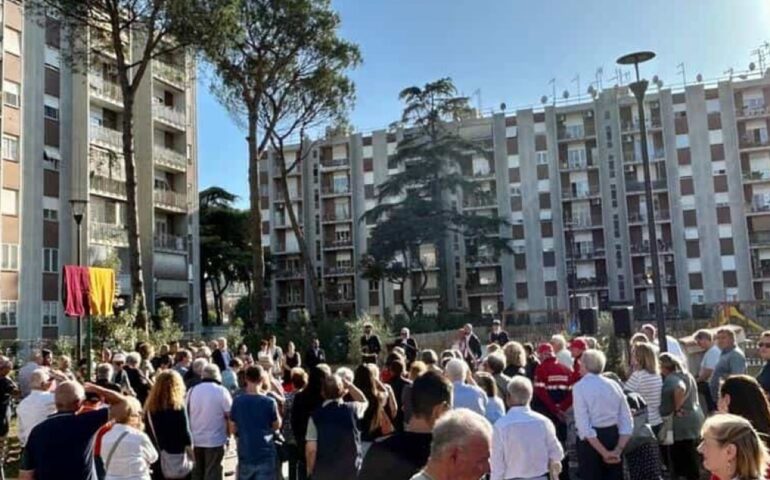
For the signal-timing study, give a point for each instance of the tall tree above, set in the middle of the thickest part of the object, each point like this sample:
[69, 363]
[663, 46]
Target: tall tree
[281, 72]
[135, 32]
[224, 243]
[421, 193]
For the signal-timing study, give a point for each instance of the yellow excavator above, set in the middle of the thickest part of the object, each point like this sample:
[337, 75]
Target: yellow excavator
[728, 313]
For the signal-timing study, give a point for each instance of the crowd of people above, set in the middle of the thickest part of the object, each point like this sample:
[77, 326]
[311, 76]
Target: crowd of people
[496, 409]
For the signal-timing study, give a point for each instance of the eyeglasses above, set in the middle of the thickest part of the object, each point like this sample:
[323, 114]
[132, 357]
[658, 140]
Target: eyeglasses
[763, 345]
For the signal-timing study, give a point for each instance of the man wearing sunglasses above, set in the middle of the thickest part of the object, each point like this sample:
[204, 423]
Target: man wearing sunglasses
[764, 352]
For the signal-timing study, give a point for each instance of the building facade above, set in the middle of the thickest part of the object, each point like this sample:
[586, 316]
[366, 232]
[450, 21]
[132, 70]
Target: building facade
[61, 140]
[569, 180]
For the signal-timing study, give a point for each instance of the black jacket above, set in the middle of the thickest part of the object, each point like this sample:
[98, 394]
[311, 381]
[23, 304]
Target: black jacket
[474, 345]
[371, 345]
[312, 358]
[500, 338]
[410, 348]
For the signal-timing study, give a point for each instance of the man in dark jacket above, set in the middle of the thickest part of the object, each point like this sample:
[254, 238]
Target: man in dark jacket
[409, 345]
[370, 343]
[221, 356]
[315, 354]
[472, 340]
[498, 335]
[398, 382]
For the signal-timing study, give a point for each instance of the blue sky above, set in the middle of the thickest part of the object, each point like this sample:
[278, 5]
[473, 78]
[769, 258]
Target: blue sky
[509, 50]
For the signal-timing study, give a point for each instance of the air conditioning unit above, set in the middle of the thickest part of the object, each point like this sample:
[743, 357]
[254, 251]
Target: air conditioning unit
[590, 114]
[720, 172]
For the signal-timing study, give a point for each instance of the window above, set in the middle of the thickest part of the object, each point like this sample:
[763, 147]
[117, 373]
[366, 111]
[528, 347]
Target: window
[51, 113]
[9, 256]
[11, 93]
[50, 314]
[12, 41]
[542, 158]
[50, 260]
[614, 195]
[616, 225]
[621, 287]
[8, 313]
[9, 202]
[11, 147]
[374, 285]
[619, 256]
[608, 134]
[611, 165]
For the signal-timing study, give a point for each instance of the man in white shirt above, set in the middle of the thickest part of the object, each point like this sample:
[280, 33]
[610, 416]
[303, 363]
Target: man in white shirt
[711, 354]
[208, 404]
[34, 362]
[464, 395]
[563, 355]
[672, 344]
[36, 406]
[524, 443]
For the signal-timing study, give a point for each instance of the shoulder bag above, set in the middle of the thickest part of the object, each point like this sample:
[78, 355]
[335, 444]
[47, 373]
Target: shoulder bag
[112, 452]
[173, 465]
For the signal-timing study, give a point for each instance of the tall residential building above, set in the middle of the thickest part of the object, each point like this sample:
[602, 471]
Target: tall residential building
[61, 140]
[569, 180]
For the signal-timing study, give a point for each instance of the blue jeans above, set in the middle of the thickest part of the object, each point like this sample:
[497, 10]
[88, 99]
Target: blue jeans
[261, 471]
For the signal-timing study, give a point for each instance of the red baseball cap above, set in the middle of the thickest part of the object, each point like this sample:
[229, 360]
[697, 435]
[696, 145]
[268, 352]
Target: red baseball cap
[578, 343]
[544, 348]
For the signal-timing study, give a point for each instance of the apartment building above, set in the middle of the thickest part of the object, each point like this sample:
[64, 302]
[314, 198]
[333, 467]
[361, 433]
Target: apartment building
[569, 180]
[61, 141]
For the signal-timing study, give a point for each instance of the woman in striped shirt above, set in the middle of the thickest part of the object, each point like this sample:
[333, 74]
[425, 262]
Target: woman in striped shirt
[646, 381]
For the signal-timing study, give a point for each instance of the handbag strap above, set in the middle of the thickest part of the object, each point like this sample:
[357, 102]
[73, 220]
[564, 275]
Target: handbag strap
[112, 450]
[152, 428]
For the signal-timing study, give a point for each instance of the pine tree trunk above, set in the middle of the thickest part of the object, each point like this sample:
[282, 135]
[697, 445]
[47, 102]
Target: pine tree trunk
[258, 262]
[132, 215]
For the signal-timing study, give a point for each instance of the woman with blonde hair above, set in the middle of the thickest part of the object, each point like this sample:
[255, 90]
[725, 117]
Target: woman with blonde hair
[515, 359]
[127, 451]
[732, 449]
[646, 381]
[166, 417]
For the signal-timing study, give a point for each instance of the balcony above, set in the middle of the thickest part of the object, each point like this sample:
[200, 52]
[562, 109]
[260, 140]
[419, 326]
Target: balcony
[639, 217]
[482, 176]
[335, 190]
[290, 301]
[336, 217]
[576, 166]
[340, 270]
[645, 281]
[337, 244]
[280, 196]
[173, 74]
[170, 158]
[760, 271]
[289, 274]
[589, 253]
[637, 186]
[644, 248]
[580, 194]
[339, 298]
[635, 124]
[574, 132]
[108, 234]
[480, 201]
[174, 117]
[428, 292]
[491, 289]
[583, 221]
[108, 186]
[758, 206]
[759, 239]
[588, 283]
[752, 111]
[106, 91]
[107, 136]
[482, 261]
[756, 176]
[170, 200]
[170, 243]
[754, 141]
[335, 163]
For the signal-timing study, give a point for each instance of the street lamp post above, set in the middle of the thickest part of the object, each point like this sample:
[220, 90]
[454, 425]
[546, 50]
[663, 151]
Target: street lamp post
[639, 87]
[78, 212]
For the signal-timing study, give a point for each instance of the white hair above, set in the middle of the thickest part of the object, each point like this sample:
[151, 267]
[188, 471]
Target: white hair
[211, 371]
[104, 370]
[456, 428]
[559, 340]
[198, 364]
[38, 379]
[456, 370]
[519, 391]
[345, 373]
[594, 361]
[133, 359]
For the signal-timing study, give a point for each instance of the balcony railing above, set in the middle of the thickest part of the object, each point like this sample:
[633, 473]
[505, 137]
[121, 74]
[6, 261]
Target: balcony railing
[589, 254]
[113, 138]
[289, 273]
[338, 243]
[428, 292]
[339, 270]
[483, 175]
[336, 298]
[572, 132]
[170, 115]
[170, 158]
[588, 283]
[663, 247]
[646, 280]
[630, 125]
[484, 289]
[637, 186]
[754, 111]
[481, 201]
[173, 243]
[108, 233]
[590, 192]
[336, 217]
[638, 217]
[482, 260]
[290, 301]
[172, 73]
[335, 190]
[338, 162]
[107, 90]
[107, 185]
[168, 198]
[758, 206]
[754, 141]
[756, 175]
[759, 238]
[583, 221]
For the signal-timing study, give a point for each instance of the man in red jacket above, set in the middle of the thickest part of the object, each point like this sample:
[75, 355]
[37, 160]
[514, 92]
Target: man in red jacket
[553, 395]
[576, 347]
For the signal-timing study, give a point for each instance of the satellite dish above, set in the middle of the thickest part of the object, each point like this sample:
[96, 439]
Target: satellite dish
[565, 94]
[752, 66]
[699, 78]
[544, 99]
[502, 106]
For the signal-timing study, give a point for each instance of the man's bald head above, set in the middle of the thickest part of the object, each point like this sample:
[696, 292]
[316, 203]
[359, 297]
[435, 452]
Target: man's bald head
[68, 396]
[39, 380]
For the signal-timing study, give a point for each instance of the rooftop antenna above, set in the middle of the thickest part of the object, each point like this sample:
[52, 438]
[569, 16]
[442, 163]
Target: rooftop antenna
[553, 87]
[477, 93]
[592, 91]
[760, 52]
[577, 80]
[729, 72]
[680, 70]
[599, 75]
